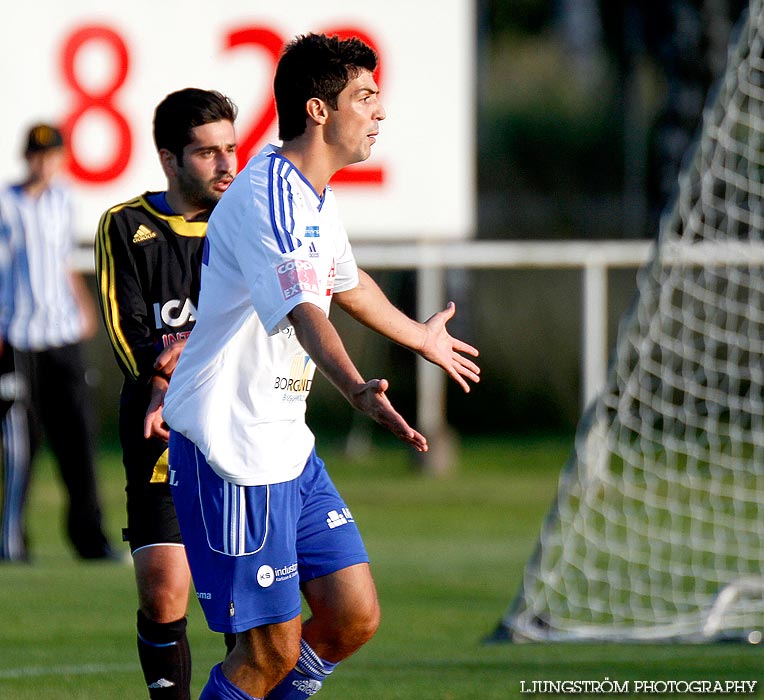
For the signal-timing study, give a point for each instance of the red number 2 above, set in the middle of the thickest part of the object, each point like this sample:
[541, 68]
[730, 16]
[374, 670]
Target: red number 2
[251, 138]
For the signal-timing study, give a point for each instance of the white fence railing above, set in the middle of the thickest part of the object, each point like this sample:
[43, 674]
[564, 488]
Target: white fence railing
[431, 260]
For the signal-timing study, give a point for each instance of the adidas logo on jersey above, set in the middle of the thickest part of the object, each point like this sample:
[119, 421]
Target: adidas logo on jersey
[144, 233]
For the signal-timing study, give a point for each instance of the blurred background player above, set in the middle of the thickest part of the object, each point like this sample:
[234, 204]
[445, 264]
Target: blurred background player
[148, 258]
[45, 315]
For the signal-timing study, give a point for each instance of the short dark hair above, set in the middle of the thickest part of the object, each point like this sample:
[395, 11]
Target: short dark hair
[181, 111]
[315, 65]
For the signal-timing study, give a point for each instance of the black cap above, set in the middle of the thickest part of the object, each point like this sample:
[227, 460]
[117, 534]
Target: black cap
[42, 137]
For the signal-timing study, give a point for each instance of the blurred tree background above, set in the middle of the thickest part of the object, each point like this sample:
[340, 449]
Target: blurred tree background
[586, 109]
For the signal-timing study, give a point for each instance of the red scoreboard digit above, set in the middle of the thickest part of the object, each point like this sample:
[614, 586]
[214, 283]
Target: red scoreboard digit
[252, 130]
[85, 99]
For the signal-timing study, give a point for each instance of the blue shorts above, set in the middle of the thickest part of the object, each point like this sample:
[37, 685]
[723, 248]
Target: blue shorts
[251, 547]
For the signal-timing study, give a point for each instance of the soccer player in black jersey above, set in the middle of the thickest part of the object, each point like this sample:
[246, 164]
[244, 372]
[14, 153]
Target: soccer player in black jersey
[148, 257]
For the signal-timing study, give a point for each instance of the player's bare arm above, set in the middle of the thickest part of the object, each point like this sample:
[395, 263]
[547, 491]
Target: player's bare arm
[320, 339]
[368, 305]
[164, 366]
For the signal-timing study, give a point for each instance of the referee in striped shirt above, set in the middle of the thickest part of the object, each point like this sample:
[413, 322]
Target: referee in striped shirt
[45, 314]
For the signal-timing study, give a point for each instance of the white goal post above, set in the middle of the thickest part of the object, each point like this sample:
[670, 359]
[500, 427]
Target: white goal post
[657, 531]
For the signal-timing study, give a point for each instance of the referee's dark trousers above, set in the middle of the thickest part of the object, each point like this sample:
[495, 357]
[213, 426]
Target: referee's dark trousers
[51, 400]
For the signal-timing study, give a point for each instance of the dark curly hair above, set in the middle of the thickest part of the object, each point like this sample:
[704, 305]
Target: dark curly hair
[315, 65]
[185, 109]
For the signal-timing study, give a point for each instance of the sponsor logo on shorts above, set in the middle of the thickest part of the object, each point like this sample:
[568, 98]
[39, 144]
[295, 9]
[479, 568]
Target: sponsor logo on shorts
[336, 519]
[286, 572]
[203, 596]
[265, 576]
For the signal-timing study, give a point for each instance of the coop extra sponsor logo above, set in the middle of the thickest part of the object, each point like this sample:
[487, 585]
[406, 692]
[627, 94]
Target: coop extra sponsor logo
[296, 277]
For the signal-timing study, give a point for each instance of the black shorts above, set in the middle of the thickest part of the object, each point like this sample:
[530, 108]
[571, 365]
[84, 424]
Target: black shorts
[151, 517]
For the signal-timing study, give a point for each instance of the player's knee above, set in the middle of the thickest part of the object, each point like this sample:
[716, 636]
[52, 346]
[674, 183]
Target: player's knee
[270, 650]
[356, 629]
[163, 605]
[284, 660]
[367, 622]
[269, 661]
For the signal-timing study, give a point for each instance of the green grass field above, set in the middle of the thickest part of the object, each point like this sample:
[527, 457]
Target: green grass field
[447, 556]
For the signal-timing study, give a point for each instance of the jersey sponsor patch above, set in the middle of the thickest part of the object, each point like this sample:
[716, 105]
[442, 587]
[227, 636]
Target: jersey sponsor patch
[296, 276]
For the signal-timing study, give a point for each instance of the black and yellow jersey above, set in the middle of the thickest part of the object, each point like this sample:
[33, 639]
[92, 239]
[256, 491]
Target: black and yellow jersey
[147, 268]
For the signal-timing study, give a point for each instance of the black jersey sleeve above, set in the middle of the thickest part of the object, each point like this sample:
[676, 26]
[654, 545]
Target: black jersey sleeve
[126, 313]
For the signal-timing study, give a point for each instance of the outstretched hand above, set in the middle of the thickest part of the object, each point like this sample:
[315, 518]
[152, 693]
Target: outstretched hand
[448, 352]
[371, 399]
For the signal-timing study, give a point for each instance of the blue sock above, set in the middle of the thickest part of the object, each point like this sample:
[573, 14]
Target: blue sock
[305, 679]
[220, 688]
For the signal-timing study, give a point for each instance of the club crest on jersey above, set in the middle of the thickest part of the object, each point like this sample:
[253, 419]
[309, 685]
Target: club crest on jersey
[312, 232]
[297, 276]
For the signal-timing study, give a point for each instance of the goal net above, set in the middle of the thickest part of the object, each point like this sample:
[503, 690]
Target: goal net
[657, 531]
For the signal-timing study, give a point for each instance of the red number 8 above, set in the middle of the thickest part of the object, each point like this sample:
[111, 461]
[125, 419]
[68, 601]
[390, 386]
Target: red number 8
[100, 100]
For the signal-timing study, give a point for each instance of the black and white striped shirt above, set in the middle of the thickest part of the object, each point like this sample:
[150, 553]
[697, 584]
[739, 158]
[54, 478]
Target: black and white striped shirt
[38, 309]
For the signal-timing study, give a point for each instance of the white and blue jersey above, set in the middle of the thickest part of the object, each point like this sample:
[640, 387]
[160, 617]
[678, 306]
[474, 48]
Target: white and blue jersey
[38, 309]
[239, 390]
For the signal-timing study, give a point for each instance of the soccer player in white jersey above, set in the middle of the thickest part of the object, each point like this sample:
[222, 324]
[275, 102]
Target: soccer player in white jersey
[260, 518]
